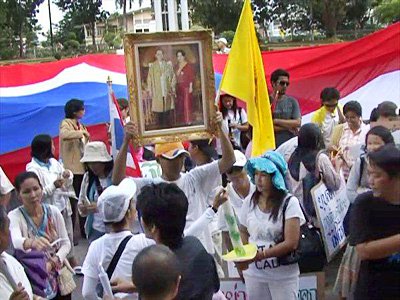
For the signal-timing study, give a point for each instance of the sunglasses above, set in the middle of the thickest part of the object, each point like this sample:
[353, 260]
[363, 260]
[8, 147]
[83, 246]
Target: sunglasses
[283, 83]
[331, 105]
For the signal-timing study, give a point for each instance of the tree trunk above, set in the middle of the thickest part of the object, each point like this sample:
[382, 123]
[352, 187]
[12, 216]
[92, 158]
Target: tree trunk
[21, 42]
[330, 20]
[93, 25]
[125, 17]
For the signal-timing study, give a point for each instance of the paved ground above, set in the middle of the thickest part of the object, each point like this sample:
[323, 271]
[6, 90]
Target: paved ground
[330, 273]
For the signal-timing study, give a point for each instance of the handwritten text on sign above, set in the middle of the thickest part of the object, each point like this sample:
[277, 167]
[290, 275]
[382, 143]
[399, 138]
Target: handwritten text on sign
[331, 209]
[235, 289]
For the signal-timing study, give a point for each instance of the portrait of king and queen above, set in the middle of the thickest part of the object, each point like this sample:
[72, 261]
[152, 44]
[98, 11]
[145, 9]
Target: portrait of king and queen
[171, 85]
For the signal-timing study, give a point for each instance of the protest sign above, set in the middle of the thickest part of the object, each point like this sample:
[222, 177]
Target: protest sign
[311, 287]
[331, 209]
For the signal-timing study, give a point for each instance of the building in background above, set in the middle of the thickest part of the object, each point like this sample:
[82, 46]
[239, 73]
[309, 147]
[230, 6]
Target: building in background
[165, 15]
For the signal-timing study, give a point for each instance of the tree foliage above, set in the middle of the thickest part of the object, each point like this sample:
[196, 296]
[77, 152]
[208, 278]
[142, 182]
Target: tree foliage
[389, 11]
[303, 15]
[18, 24]
[124, 4]
[219, 15]
[84, 12]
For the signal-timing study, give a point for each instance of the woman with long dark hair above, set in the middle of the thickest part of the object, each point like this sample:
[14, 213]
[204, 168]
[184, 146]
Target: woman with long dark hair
[261, 219]
[95, 181]
[55, 180]
[40, 227]
[308, 165]
[235, 119]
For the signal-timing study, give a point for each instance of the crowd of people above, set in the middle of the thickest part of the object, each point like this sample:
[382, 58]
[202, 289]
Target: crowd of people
[162, 238]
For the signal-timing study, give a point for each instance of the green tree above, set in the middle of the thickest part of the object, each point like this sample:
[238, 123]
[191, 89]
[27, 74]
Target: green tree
[87, 12]
[123, 4]
[219, 15]
[388, 11]
[18, 24]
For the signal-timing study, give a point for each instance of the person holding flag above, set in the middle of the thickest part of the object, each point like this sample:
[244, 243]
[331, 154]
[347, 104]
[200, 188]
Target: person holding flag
[117, 122]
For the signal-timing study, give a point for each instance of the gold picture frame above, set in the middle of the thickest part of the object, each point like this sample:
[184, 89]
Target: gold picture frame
[171, 88]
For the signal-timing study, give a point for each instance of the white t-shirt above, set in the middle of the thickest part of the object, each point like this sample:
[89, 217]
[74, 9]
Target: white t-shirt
[47, 175]
[103, 249]
[197, 185]
[239, 118]
[287, 148]
[265, 233]
[17, 272]
[5, 184]
[330, 121]
[236, 201]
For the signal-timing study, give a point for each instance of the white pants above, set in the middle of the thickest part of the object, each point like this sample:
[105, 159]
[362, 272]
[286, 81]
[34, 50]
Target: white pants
[272, 290]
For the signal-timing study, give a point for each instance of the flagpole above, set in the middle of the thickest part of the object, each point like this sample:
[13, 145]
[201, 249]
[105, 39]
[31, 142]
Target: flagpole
[112, 98]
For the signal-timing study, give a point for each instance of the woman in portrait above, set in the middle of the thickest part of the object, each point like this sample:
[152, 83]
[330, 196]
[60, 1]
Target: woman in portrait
[184, 89]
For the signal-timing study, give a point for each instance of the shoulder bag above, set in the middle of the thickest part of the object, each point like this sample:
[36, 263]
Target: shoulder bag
[114, 262]
[310, 254]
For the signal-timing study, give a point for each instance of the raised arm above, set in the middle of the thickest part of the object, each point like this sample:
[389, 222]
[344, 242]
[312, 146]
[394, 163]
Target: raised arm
[119, 169]
[228, 156]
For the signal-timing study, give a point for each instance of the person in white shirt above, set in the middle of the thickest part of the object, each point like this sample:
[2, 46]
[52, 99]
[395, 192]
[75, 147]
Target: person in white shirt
[14, 284]
[117, 208]
[235, 120]
[196, 184]
[222, 45]
[330, 114]
[239, 189]
[261, 223]
[98, 177]
[5, 188]
[39, 226]
[55, 180]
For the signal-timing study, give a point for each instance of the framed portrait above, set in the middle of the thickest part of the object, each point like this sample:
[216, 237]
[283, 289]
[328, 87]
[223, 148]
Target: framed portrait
[171, 88]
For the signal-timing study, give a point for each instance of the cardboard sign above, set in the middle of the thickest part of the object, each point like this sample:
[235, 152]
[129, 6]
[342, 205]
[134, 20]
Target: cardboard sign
[311, 287]
[150, 169]
[331, 209]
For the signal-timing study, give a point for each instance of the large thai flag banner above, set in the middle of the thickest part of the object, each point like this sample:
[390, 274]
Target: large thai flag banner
[32, 96]
[117, 136]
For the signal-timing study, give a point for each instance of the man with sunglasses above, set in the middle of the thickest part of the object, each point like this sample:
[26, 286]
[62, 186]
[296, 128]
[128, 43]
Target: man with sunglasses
[285, 109]
[330, 114]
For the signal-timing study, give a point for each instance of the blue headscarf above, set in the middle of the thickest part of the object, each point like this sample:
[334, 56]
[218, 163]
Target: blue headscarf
[272, 163]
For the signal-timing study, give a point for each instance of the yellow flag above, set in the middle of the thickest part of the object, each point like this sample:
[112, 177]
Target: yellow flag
[244, 79]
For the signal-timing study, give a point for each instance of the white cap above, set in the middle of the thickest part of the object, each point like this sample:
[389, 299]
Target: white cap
[241, 159]
[223, 40]
[96, 152]
[114, 202]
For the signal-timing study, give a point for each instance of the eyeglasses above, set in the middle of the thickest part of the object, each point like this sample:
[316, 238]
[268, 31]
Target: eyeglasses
[283, 83]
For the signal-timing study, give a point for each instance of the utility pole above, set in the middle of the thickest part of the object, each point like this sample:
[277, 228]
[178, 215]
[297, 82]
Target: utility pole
[51, 28]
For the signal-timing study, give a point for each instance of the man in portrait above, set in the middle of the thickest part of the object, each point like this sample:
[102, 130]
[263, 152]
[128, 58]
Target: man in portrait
[161, 85]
